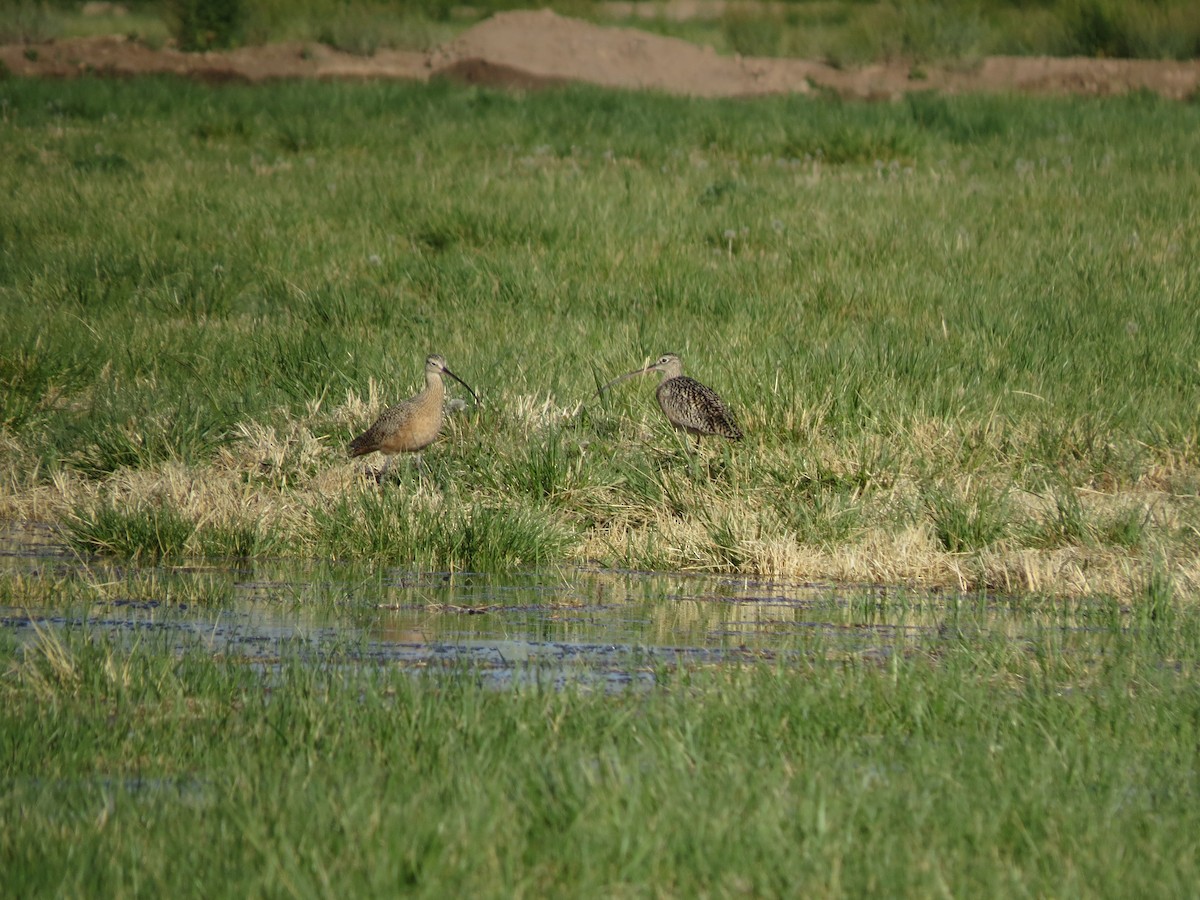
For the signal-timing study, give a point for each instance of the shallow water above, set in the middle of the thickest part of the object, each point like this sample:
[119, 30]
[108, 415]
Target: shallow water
[597, 627]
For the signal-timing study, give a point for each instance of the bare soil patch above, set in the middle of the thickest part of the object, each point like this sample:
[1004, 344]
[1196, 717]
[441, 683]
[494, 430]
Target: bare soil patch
[532, 49]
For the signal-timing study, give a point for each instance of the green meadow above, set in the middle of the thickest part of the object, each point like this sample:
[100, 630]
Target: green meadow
[1059, 764]
[961, 335]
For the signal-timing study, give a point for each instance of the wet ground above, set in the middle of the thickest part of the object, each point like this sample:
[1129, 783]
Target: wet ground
[595, 627]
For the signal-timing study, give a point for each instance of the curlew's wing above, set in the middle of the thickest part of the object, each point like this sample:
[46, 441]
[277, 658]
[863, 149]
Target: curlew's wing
[697, 408]
[372, 439]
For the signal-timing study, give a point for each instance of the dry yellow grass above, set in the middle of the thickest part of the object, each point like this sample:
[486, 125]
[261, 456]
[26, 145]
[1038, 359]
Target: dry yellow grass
[273, 477]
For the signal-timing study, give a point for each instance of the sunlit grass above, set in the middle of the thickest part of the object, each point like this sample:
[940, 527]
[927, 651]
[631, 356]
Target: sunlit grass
[436, 533]
[138, 767]
[156, 531]
[967, 361]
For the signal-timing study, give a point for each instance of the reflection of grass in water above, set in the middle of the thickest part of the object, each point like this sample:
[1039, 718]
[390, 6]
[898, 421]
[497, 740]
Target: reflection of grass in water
[999, 330]
[832, 777]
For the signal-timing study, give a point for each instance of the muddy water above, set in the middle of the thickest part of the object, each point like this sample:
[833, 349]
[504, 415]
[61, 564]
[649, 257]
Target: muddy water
[599, 627]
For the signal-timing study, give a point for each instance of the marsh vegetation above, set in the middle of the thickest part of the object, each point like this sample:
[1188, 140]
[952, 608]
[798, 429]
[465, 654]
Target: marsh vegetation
[281, 729]
[959, 333]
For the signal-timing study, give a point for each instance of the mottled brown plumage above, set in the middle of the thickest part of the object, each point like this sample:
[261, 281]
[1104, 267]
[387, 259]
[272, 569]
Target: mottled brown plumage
[688, 405]
[413, 424]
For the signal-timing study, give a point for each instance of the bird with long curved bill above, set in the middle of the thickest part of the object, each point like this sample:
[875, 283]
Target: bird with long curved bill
[688, 405]
[413, 424]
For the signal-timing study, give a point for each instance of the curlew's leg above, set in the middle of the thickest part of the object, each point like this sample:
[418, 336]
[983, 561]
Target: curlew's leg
[694, 454]
[387, 464]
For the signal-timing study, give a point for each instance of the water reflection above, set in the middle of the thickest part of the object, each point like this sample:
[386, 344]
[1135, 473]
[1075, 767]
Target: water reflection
[600, 627]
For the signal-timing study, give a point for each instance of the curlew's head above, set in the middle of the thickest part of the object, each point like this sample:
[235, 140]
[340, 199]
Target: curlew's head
[669, 364]
[435, 367]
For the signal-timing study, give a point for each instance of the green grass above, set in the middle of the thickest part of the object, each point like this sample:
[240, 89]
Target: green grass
[958, 332]
[437, 534]
[155, 531]
[967, 523]
[914, 309]
[1060, 765]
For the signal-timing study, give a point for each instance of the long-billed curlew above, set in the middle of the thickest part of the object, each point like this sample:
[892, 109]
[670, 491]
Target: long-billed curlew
[413, 424]
[688, 405]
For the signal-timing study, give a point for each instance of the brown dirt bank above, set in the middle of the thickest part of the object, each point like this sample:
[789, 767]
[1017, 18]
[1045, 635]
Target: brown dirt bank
[530, 49]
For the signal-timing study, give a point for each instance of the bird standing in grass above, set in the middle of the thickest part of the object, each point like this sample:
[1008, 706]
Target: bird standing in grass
[413, 424]
[688, 405]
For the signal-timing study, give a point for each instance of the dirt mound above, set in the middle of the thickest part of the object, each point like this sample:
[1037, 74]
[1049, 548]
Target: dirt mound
[530, 49]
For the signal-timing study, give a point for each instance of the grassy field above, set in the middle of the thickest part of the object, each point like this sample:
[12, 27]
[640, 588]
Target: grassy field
[1060, 765]
[960, 333]
[961, 337]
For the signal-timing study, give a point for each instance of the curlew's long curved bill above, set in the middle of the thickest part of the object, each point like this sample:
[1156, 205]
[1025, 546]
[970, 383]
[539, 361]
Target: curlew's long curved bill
[463, 383]
[621, 378]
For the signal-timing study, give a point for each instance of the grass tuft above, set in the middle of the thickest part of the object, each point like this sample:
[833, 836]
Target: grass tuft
[235, 541]
[430, 532]
[1126, 528]
[966, 522]
[1066, 523]
[150, 530]
[822, 516]
[1157, 608]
